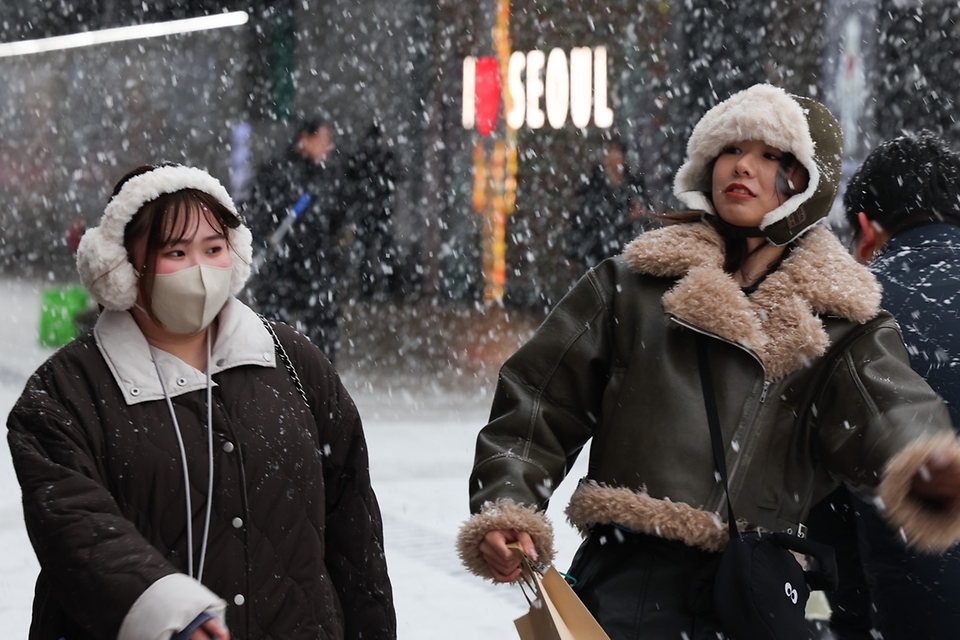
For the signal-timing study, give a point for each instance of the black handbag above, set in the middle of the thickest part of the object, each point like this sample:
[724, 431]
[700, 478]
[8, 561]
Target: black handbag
[760, 591]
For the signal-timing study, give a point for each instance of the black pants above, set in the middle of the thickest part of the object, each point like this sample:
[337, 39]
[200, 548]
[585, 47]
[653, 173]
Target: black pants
[640, 586]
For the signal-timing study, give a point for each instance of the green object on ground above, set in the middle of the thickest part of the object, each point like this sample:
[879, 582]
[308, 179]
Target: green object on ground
[58, 308]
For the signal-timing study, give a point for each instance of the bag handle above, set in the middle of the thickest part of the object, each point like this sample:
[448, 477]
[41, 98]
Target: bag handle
[825, 576]
[526, 579]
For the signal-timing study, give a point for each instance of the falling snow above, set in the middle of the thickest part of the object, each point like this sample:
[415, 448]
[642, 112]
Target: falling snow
[424, 329]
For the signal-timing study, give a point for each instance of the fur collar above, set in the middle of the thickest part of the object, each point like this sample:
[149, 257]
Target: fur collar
[780, 322]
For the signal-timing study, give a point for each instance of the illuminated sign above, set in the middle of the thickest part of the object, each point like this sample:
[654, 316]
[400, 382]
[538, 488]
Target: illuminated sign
[121, 34]
[542, 89]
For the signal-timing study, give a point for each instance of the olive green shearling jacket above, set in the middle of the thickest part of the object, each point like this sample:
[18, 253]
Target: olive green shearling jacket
[812, 381]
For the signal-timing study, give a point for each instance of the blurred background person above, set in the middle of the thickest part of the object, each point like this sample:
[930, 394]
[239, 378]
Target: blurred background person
[371, 176]
[609, 210]
[903, 205]
[297, 215]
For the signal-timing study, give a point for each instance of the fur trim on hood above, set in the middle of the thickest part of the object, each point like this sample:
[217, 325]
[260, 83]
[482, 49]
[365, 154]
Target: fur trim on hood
[790, 123]
[779, 322]
[102, 261]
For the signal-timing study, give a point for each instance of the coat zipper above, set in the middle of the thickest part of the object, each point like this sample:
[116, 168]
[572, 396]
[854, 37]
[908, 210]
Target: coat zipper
[748, 431]
[710, 334]
[763, 393]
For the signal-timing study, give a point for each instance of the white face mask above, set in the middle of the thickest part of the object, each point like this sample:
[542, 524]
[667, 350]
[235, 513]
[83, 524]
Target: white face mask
[188, 300]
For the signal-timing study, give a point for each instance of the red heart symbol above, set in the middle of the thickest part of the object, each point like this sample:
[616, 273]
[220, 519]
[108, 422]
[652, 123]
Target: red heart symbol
[487, 95]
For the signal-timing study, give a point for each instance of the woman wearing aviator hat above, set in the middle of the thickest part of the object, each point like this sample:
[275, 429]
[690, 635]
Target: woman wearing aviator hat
[189, 469]
[784, 312]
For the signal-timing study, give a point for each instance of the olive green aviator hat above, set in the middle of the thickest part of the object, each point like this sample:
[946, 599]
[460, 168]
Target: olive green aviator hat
[790, 123]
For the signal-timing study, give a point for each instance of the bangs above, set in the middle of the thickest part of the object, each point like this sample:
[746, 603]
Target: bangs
[181, 216]
[182, 220]
[169, 220]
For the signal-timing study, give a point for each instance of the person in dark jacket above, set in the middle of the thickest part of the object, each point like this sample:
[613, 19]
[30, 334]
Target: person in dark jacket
[296, 212]
[370, 181]
[904, 206]
[811, 377]
[609, 210]
[189, 469]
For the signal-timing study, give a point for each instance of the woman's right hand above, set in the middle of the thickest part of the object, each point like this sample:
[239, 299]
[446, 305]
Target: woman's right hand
[210, 630]
[503, 562]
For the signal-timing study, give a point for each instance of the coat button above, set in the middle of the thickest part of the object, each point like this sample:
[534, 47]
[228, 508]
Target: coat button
[238, 599]
[266, 356]
[237, 523]
[228, 446]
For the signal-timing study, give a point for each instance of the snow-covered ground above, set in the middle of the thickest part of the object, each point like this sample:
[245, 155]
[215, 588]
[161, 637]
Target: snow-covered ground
[421, 451]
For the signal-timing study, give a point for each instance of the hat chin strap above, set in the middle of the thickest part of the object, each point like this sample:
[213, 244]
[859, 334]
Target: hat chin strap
[740, 232]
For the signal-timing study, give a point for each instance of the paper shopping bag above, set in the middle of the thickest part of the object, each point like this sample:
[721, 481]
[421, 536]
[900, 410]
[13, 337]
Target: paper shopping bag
[556, 613]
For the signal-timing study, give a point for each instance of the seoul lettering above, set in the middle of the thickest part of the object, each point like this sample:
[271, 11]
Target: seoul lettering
[543, 89]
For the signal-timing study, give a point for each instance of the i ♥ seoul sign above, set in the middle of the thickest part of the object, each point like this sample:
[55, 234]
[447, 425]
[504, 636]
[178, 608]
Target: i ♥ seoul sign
[543, 89]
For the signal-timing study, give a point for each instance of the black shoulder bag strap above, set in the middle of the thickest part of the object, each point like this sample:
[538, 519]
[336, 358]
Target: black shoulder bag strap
[710, 401]
[825, 577]
[286, 359]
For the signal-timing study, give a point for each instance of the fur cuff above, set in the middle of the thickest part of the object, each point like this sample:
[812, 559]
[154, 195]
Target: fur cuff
[595, 503]
[925, 528]
[503, 514]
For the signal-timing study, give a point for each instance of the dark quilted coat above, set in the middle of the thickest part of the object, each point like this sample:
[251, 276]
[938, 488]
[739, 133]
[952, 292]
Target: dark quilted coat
[104, 501]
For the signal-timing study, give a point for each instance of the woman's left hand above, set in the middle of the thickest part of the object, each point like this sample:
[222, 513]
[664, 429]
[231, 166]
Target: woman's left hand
[210, 630]
[939, 480]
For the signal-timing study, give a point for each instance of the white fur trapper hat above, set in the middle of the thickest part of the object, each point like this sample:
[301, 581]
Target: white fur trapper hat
[102, 261]
[788, 122]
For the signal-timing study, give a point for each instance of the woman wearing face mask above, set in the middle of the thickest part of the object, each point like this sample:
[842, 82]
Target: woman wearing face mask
[190, 470]
[811, 379]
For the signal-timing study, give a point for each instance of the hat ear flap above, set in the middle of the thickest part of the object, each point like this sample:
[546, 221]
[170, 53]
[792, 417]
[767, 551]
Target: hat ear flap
[106, 272]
